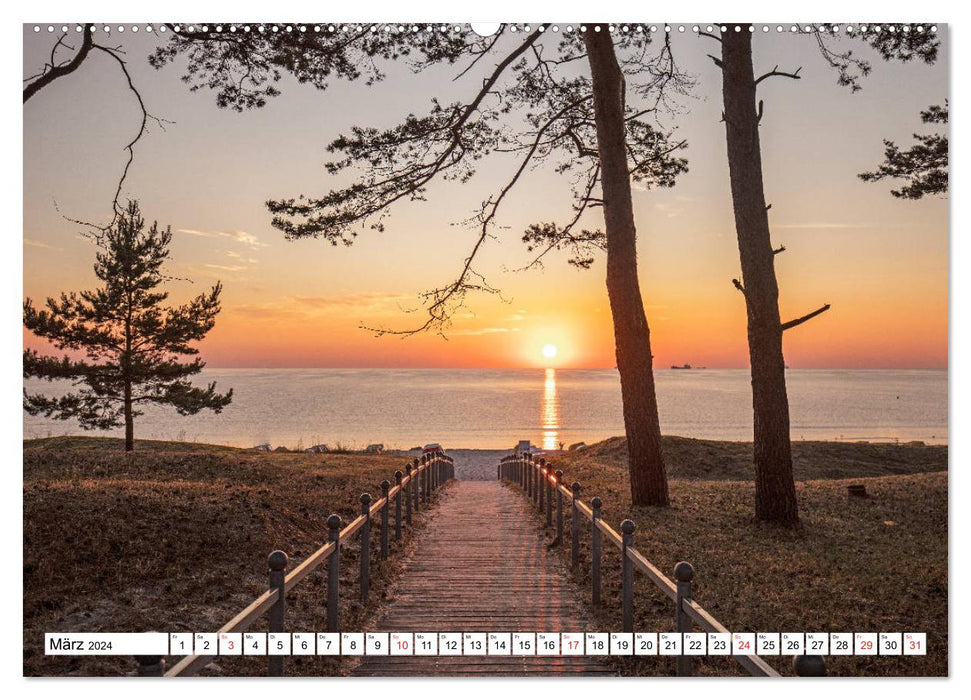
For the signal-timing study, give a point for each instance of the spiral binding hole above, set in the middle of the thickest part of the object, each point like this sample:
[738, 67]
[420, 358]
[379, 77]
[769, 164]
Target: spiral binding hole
[834, 29]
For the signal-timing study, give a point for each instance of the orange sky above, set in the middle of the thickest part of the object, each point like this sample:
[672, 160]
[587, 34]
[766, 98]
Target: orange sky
[880, 262]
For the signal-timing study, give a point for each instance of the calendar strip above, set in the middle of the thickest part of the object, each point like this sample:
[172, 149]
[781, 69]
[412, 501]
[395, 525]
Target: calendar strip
[487, 644]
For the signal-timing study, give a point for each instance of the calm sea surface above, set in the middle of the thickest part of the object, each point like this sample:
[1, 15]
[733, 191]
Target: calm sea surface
[495, 408]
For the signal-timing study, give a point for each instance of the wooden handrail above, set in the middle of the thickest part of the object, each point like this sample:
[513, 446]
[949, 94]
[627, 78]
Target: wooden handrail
[611, 534]
[642, 564]
[193, 663]
[352, 527]
[240, 623]
[307, 566]
[530, 472]
[585, 510]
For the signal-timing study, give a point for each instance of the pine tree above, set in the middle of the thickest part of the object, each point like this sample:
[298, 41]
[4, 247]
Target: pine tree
[134, 348]
[923, 166]
[775, 489]
[543, 98]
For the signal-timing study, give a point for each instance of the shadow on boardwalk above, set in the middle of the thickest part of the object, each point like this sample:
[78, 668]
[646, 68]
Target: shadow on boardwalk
[482, 566]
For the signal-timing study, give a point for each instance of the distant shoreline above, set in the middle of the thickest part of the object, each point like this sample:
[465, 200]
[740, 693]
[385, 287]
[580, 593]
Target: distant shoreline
[687, 458]
[465, 448]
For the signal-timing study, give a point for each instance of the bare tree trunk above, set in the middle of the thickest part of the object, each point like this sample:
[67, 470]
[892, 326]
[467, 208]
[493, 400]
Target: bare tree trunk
[648, 479]
[129, 420]
[775, 491]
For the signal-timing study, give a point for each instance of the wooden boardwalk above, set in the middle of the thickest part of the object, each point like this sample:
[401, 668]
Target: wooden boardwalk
[482, 566]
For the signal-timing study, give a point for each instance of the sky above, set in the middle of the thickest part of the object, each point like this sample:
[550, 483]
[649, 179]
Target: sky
[879, 261]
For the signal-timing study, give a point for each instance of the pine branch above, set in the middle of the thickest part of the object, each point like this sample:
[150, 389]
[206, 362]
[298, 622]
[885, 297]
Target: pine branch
[775, 72]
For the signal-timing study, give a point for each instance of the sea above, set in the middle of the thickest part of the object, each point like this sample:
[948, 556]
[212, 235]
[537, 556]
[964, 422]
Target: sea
[552, 408]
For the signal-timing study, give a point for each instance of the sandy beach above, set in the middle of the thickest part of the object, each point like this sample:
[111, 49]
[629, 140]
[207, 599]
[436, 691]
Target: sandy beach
[475, 465]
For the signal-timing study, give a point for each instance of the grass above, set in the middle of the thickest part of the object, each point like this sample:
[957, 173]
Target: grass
[688, 458]
[852, 565]
[174, 537]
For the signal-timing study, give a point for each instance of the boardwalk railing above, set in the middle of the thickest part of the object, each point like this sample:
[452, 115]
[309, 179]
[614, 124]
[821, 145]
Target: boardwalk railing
[414, 487]
[542, 485]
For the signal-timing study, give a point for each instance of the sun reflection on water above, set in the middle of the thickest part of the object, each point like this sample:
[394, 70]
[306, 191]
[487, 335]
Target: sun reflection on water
[550, 412]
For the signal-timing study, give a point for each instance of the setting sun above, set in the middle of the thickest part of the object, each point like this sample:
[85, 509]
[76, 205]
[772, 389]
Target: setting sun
[550, 351]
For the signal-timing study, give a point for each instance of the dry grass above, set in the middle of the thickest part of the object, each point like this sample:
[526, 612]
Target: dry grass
[175, 538]
[873, 564]
[688, 458]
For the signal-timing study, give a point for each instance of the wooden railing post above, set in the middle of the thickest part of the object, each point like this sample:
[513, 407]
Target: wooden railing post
[596, 539]
[683, 573]
[397, 506]
[408, 498]
[530, 473]
[550, 485]
[149, 666]
[277, 561]
[809, 665]
[543, 478]
[559, 507]
[550, 476]
[627, 577]
[527, 476]
[426, 463]
[334, 523]
[575, 527]
[365, 545]
[385, 513]
[417, 492]
[532, 476]
[536, 468]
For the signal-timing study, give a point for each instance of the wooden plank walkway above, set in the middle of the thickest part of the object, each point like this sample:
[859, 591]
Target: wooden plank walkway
[482, 566]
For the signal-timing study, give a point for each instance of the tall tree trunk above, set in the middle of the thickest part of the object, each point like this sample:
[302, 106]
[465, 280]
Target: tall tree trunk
[648, 479]
[129, 420]
[775, 491]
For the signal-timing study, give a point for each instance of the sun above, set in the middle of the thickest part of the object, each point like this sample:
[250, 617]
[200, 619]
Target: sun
[550, 351]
